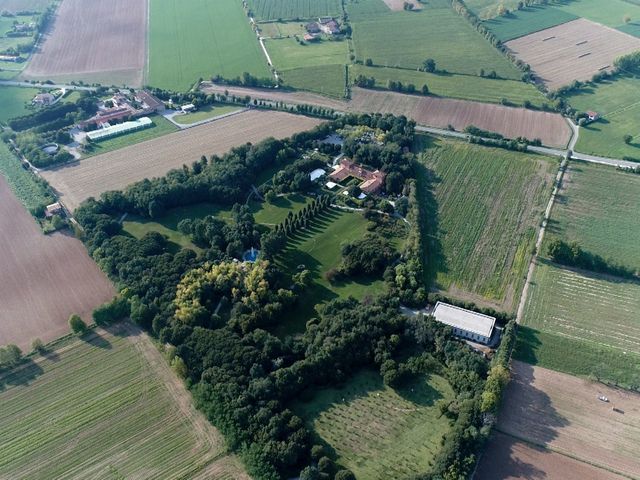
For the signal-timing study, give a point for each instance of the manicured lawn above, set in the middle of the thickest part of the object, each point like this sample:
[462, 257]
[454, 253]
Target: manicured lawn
[378, 432]
[319, 250]
[205, 113]
[190, 39]
[14, 102]
[466, 87]
[599, 208]
[294, 9]
[271, 214]
[24, 184]
[407, 39]
[324, 79]
[483, 208]
[528, 20]
[618, 102]
[583, 324]
[160, 127]
[282, 29]
[287, 53]
[100, 408]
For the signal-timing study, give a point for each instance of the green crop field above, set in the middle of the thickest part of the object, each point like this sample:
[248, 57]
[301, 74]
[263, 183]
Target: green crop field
[483, 207]
[206, 112]
[294, 9]
[282, 29]
[23, 183]
[327, 80]
[599, 207]
[189, 39]
[583, 324]
[287, 53]
[528, 20]
[465, 87]
[378, 432]
[618, 102]
[612, 14]
[161, 126]
[407, 39]
[14, 102]
[489, 8]
[103, 407]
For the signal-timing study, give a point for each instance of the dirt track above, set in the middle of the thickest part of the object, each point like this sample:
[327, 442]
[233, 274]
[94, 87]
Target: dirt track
[563, 413]
[572, 51]
[511, 122]
[94, 40]
[506, 458]
[78, 181]
[43, 279]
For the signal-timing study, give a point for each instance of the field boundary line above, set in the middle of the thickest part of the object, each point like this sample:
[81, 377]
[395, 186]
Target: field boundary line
[564, 453]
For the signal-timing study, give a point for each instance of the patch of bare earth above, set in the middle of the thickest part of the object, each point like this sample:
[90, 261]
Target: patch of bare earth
[115, 170]
[511, 122]
[506, 458]
[43, 278]
[563, 413]
[94, 40]
[398, 5]
[572, 51]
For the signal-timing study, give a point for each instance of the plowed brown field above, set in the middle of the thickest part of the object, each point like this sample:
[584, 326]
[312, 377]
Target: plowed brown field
[511, 122]
[94, 40]
[572, 51]
[78, 181]
[43, 279]
[563, 413]
[506, 458]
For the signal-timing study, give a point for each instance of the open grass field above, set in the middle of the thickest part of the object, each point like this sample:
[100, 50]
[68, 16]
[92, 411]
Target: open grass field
[287, 53]
[115, 170]
[598, 207]
[484, 207]
[465, 87]
[563, 413]
[6, 25]
[44, 279]
[92, 40]
[617, 103]
[611, 14]
[190, 39]
[507, 458]
[294, 9]
[572, 51]
[378, 432]
[205, 113]
[526, 21]
[14, 101]
[585, 307]
[486, 9]
[161, 126]
[319, 249]
[407, 39]
[511, 122]
[323, 79]
[102, 407]
[22, 182]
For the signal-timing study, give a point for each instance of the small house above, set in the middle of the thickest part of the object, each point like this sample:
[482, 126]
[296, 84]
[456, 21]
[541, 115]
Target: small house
[43, 99]
[189, 107]
[310, 38]
[312, 28]
[53, 209]
[592, 116]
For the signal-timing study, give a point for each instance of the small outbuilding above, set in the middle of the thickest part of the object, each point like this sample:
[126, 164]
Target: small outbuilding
[189, 107]
[316, 174]
[53, 209]
[466, 324]
[592, 116]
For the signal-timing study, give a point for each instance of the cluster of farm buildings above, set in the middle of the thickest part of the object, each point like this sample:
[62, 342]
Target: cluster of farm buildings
[326, 25]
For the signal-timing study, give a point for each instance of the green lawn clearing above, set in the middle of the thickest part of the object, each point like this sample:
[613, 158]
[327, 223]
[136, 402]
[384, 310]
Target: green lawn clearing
[582, 323]
[206, 112]
[407, 39]
[161, 126]
[378, 432]
[483, 207]
[104, 407]
[599, 207]
[465, 87]
[490, 8]
[294, 9]
[190, 39]
[15, 102]
[282, 29]
[327, 80]
[612, 14]
[528, 20]
[287, 53]
[271, 214]
[618, 102]
[26, 186]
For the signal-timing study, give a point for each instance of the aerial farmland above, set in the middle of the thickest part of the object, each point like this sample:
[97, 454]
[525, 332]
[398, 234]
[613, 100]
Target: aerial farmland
[319, 239]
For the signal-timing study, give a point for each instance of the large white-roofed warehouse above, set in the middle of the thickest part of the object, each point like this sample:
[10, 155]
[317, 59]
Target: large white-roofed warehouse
[465, 323]
[119, 129]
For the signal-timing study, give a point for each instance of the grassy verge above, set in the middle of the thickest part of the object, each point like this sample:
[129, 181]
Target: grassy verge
[205, 113]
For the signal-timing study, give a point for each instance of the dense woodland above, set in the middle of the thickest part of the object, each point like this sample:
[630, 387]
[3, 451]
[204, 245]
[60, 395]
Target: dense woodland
[217, 313]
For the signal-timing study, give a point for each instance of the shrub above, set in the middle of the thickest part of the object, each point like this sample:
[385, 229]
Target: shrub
[77, 325]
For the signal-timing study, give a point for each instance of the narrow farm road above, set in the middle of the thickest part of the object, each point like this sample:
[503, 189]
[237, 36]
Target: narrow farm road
[55, 86]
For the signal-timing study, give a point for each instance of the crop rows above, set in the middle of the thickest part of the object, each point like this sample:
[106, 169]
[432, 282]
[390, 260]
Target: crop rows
[294, 9]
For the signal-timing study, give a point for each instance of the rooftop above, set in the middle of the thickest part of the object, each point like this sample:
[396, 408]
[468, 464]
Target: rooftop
[464, 319]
